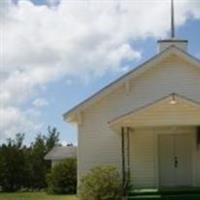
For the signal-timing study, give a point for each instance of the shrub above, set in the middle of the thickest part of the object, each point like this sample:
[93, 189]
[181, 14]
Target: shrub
[63, 177]
[101, 183]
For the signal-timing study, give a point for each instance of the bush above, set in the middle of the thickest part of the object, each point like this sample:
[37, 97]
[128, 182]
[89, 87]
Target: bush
[101, 183]
[63, 177]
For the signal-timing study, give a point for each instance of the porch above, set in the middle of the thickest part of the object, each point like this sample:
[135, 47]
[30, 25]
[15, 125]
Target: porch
[161, 157]
[160, 144]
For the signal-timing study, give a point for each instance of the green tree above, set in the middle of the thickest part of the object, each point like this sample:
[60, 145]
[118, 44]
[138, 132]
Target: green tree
[63, 177]
[25, 167]
[38, 164]
[40, 167]
[52, 138]
[12, 162]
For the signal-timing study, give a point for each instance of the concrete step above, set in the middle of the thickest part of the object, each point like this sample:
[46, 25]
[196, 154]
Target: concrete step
[143, 197]
[165, 197]
[166, 194]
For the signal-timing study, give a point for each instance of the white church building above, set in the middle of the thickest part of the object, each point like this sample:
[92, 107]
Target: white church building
[146, 123]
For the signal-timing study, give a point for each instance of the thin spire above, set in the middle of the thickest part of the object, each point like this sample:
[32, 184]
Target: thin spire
[172, 20]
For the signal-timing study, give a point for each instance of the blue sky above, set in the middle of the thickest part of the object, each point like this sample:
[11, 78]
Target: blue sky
[67, 51]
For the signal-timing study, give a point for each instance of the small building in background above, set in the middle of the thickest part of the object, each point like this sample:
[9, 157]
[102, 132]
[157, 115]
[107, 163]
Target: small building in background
[60, 153]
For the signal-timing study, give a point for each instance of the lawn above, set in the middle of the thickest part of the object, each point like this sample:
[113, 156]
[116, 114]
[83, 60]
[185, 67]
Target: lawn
[34, 196]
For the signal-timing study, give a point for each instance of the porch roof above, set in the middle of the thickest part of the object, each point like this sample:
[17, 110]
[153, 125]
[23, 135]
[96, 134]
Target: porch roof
[171, 110]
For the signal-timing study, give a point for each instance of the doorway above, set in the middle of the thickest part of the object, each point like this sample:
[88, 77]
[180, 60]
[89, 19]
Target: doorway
[175, 160]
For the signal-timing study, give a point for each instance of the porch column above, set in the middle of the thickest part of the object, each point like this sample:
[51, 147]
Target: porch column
[125, 134]
[123, 154]
[198, 137]
[128, 153]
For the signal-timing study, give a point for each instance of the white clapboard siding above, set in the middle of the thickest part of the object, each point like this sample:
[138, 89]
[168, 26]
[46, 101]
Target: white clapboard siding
[142, 159]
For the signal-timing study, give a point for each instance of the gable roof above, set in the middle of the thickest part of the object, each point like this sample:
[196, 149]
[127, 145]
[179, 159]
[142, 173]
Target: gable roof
[172, 50]
[61, 153]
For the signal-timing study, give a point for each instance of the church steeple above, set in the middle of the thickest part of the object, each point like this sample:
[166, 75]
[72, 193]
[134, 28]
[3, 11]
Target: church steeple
[181, 44]
[172, 20]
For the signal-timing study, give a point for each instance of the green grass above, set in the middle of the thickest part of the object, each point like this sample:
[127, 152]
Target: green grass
[35, 196]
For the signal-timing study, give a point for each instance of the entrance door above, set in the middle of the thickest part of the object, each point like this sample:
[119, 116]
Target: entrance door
[175, 160]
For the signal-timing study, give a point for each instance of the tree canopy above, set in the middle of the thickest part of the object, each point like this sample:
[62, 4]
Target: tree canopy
[24, 167]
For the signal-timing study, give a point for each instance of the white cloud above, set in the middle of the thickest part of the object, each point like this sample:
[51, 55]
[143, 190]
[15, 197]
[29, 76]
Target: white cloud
[13, 121]
[40, 102]
[41, 44]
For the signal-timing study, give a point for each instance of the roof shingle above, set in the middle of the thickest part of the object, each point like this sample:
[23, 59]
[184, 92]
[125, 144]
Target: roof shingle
[61, 153]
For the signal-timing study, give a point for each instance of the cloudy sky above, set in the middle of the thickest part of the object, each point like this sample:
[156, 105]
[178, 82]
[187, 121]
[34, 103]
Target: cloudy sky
[55, 53]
